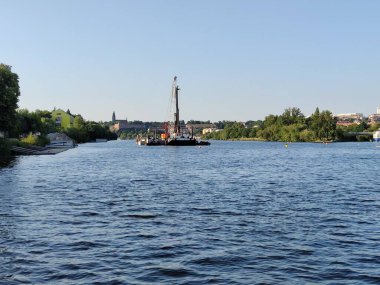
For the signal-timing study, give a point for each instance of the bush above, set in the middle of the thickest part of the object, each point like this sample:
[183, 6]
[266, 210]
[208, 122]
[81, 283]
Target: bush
[4, 148]
[36, 140]
[362, 138]
[79, 135]
[306, 136]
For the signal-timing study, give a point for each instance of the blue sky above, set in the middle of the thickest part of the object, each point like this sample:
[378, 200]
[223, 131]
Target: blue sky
[235, 60]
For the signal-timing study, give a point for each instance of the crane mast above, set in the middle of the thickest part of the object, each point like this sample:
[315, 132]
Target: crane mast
[174, 135]
[177, 128]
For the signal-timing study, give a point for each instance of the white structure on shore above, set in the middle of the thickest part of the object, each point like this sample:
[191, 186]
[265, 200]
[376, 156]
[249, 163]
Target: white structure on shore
[60, 140]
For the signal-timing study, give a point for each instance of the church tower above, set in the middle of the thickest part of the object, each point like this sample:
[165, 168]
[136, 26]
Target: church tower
[113, 117]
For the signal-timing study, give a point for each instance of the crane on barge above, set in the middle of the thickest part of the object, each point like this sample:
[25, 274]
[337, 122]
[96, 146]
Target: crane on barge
[174, 134]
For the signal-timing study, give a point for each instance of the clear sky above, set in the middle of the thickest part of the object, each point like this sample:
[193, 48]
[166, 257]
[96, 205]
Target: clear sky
[235, 60]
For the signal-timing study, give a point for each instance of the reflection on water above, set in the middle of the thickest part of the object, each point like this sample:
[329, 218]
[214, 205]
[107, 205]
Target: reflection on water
[231, 213]
[7, 161]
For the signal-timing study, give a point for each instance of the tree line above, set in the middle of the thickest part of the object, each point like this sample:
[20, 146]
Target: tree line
[32, 127]
[290, 126]
[39, 123]
[293, 126]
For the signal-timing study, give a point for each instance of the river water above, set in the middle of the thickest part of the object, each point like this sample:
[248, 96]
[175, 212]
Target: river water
[229, 213]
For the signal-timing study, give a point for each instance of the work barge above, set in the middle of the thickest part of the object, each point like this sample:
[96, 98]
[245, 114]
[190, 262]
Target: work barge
[174, 134]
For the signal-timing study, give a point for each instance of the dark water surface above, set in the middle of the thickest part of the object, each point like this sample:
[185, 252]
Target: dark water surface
[231, 213]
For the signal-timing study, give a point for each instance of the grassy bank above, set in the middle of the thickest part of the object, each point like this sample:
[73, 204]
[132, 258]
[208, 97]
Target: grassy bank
[6, 145]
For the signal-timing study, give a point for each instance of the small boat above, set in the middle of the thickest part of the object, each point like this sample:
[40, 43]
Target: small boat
[61, 144]
[60, 140]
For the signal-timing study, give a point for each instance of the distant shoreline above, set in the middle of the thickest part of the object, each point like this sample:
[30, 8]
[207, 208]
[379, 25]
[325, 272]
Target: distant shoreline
[263, 140]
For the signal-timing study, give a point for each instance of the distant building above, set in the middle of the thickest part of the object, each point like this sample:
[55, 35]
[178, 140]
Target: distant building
[350, 116]
[204, 127]
[118, 125]
[62, 119]
[200, 126]
[208, 130]
[122, 125]
[349, 119]
[374, 119]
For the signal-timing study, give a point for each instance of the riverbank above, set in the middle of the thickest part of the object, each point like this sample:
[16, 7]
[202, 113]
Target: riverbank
[263, 140]
[35, 150]
[9, 147]
[5, 150]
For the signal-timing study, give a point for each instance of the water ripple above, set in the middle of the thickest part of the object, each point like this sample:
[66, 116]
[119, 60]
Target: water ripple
[231, 213]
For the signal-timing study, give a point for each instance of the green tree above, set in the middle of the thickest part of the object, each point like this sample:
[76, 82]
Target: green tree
[316, 123]
[79, 122]
[306, 135]
[79, 135]
[373, 127]
[291, 133]
[123, 136]
[270, 120]
[32, 122]
[43, 114]
[292, 116]
[328, 125]
[270, 133]
[323, 125]
[252, 132]
[9, 93]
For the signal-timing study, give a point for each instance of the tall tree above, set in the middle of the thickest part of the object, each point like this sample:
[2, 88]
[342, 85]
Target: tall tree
[270, 120]
[9, 93]
[79, 123]
[316, 123]
[328, 130]
[323, 125]
[292, 116]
